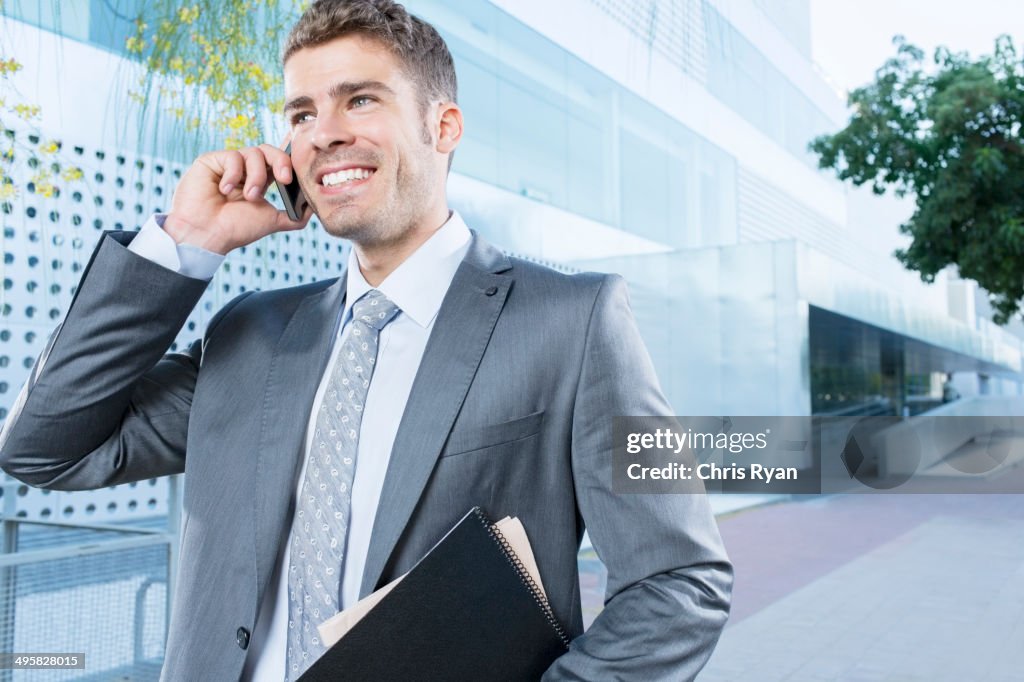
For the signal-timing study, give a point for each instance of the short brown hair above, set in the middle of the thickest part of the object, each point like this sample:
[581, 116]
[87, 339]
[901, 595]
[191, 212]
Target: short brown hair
[419, 48]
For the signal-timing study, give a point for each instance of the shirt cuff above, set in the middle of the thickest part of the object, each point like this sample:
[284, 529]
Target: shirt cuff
[153, 244]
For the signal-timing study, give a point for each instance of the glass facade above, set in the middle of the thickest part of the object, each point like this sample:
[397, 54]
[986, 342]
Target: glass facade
[103, 23]
[855, 368]
[793, 19]
[858, 368]
[549, 130]
[742, 77]
[543, 124]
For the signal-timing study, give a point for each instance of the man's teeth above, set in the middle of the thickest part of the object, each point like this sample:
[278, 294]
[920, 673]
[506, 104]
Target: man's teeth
[334, 179]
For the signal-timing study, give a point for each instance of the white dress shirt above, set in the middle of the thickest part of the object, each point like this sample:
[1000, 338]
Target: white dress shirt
[417, 287]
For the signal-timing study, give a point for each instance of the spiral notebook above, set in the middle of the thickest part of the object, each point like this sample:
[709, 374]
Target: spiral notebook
[473, 609]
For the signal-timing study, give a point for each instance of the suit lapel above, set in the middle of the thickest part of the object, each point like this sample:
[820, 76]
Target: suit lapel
[461, 332]
[296, 368]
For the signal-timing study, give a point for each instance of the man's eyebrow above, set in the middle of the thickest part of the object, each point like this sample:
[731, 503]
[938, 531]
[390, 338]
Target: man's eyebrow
[298, 103]
[340, 90]
[346, 88]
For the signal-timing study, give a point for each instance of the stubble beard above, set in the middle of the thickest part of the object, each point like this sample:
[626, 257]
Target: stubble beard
[409, 199]
[388, 222]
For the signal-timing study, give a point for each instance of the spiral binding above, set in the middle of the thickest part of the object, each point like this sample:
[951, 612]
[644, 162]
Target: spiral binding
[524, 575]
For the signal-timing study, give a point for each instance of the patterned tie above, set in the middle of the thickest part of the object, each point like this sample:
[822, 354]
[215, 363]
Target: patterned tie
[322, 509]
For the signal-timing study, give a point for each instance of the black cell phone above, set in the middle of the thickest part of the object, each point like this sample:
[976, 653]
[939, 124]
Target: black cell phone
[291, 194]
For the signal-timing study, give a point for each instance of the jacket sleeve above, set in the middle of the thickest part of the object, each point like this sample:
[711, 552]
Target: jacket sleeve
[669, 580]
[103, 404]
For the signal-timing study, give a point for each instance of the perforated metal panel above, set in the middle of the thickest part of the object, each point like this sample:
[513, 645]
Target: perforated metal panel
[46, 243]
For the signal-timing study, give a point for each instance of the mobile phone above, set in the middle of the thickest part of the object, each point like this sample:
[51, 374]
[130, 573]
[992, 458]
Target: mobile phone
[291, 194]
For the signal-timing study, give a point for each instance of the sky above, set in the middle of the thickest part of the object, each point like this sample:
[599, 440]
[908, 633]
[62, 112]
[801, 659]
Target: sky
[850, 39]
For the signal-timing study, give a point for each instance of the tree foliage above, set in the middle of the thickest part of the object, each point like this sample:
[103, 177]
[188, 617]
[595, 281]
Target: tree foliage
[41, 157]
[214, 65]
[951, 137]
[210, 66]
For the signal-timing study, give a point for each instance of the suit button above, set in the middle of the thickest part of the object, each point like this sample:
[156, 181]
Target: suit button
[242, 637]
[490, 291]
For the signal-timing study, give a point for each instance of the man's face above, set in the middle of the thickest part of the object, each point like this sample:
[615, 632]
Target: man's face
[363, 151]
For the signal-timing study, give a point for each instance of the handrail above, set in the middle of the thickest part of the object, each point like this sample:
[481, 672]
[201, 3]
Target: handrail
[84, 526]
[80, 550]
[140, 619]
[128, 537]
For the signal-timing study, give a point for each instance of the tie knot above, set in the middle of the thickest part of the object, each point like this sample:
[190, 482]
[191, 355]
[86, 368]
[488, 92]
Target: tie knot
[374, 309]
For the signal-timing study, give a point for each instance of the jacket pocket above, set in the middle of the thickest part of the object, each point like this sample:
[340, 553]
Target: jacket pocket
[462, 441]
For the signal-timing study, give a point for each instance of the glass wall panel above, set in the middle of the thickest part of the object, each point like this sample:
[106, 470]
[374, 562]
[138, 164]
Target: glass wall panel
[743, 78]
[544, 124]
[540, 123]
[586, 192]
[854, 370]
[591, 103]
[532, 142]
[69, 18]
[111, 22]
[645, 187]
[105, 23]
[477, 155]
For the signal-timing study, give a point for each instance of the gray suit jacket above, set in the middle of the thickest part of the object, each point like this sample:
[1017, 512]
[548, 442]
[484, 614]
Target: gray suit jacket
[510, 410]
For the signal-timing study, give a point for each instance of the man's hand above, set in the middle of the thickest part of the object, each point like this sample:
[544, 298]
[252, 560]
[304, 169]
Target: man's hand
[219, 204]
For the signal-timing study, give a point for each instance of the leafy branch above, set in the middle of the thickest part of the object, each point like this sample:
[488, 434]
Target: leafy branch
[951, 137]
[213, 66]
[42, 158]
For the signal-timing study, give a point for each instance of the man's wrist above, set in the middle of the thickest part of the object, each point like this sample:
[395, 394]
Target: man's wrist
[184, 233]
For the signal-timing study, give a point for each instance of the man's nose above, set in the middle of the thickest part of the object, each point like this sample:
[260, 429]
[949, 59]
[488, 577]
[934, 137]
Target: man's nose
[331, 130]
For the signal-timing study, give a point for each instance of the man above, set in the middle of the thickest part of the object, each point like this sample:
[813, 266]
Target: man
[436, 374]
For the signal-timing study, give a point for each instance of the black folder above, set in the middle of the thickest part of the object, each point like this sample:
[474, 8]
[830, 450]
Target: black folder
[467, 611]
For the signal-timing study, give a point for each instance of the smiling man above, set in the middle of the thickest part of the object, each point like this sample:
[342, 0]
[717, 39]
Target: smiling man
[331, 433]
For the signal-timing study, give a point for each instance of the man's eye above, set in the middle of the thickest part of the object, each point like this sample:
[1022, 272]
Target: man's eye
[362, 100]
[304, 117]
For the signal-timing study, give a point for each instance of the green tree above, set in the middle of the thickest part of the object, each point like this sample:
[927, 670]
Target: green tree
[951, 137]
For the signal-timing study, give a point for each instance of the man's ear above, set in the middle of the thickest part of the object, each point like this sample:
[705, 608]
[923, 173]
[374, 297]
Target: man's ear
[450, 127]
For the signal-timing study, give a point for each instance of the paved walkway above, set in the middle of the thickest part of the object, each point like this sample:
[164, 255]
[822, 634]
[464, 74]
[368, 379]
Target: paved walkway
[887, 587]
[864, 588]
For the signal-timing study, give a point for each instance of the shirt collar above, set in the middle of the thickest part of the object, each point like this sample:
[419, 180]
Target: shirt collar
[418, 285]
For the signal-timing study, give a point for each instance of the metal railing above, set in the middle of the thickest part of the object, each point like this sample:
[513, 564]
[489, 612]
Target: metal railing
[103, 590]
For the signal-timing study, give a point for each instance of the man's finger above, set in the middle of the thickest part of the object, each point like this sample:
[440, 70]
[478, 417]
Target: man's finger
[279, 161]
[233, 166]
[255, 173]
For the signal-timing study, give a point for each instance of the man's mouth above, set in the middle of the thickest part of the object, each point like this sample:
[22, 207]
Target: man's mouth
[347, 176]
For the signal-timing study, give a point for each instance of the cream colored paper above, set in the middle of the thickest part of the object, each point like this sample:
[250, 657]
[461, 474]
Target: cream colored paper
[335, 627]
[338, 625]
[515, 535]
